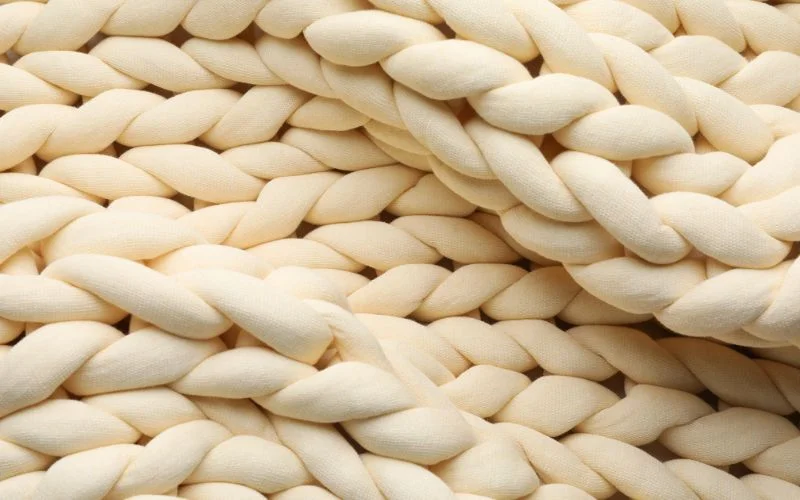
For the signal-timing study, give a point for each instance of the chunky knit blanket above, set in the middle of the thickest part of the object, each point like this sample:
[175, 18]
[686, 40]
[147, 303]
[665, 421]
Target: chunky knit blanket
[399, 249]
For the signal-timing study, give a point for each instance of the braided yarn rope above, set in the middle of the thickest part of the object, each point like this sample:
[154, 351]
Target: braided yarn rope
[399, 249]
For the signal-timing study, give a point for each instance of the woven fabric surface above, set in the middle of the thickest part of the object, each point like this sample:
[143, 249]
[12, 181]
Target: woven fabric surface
[399, 249]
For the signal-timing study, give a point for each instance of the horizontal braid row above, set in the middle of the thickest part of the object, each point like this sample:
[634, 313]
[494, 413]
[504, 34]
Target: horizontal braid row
[238, 445]
[70, 226]
[208, 304]
[588, 214]
[692, 297]
[350, 476]
[682, 422]
[612, 62]
[680, 478]
[750, 246]
[506, 292]
[234, 175]
[198, 64]
[202, 64]
[274, 54]
[42, 77]
[427, 292]
[593, 353]
[494, 387]
[106, 350]
[720, 28]
[738, 25]
[181, 427]
[27, 428]
[220, 118]
[668, 245]
[650, 239]
[136, 118]
[680, 295]
[35, 27]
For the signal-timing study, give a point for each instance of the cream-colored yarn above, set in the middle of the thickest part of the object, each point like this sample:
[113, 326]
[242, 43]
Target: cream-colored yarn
[112, 350]
[91, 355]
[74, 333]
[663, 225]
[383, 249]
[74, 226]
[562, 216]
